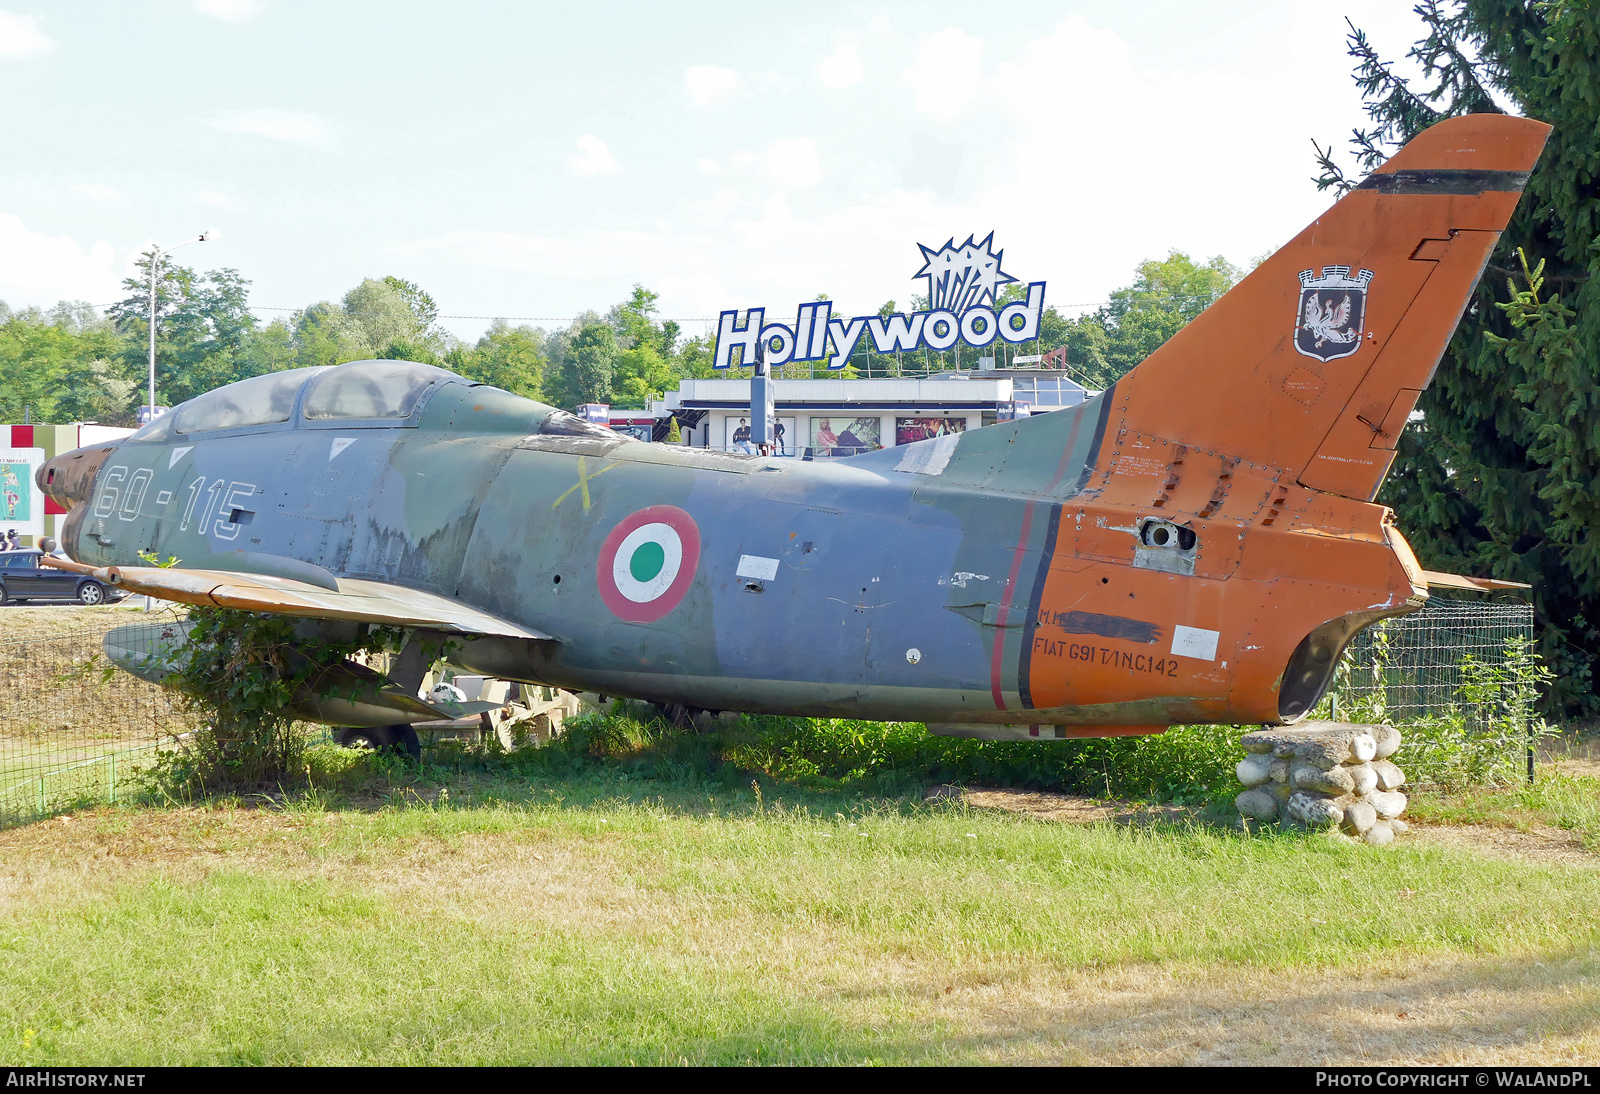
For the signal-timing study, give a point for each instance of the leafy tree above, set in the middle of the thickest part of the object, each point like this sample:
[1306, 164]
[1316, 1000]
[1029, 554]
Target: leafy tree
[1102, 346]
[325, 335]
[1502, 475]
[269, 349]
[419, 302]
[640, 373]
[97, 390]
[403, 350]
[240, 672]
[507, 357]
[590, 365]
[64, 365]
[670, 330]
[633, 321]
[1088, 348]
[695, 359]
[33, 359]
[387, 312]
[203, 324]
[1164, 296]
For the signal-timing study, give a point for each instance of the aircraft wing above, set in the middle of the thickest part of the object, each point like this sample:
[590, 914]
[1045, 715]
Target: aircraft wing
[1437, 580]
[331, 598]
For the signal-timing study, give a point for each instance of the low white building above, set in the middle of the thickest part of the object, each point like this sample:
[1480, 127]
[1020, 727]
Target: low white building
[824, 418]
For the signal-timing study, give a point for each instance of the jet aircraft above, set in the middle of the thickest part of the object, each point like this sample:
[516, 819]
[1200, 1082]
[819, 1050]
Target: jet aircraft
[1197, 544]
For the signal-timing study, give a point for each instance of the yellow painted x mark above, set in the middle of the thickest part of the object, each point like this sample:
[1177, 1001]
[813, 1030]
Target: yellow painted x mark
[584, 479]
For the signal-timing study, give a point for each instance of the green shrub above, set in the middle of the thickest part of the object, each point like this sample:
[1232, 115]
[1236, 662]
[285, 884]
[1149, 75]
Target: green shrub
[1480, 739]
[240, 672]
[1190, 764]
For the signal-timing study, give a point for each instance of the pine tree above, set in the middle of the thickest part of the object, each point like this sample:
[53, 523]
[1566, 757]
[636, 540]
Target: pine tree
[1502, 476]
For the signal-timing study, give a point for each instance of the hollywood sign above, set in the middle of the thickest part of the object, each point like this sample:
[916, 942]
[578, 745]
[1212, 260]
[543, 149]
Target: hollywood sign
[960, 280]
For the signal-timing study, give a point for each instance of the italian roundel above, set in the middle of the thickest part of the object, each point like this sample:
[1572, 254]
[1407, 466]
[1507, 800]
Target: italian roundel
[647, 563]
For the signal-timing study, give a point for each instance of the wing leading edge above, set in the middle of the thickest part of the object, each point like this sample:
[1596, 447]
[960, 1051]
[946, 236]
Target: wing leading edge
[353, 599]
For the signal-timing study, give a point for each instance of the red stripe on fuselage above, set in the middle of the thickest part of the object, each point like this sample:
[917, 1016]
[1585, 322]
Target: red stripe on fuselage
[1005, 608]
[998, 654]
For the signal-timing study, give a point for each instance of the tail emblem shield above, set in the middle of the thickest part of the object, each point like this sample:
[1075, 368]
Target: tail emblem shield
[1333, 308]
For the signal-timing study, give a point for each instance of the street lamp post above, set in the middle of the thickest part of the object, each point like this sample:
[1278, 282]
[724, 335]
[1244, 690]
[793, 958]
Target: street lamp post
[156, 254]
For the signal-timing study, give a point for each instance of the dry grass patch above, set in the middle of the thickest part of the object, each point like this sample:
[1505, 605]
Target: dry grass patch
[1512, 831]
[1066, 808]
[56, 620]
[1464, 1011]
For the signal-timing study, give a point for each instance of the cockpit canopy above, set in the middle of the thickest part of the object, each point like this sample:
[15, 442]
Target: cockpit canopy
[372, 389]
[260, 400]
[358, 391]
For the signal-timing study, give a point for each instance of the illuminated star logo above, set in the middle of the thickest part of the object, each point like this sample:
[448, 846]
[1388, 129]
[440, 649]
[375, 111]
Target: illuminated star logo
[962, 276]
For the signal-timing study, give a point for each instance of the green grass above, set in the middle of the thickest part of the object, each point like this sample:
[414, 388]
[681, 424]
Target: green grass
[595, 916]
[1553, 800]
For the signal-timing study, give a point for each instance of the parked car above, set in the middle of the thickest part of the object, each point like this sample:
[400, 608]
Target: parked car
[22, 578]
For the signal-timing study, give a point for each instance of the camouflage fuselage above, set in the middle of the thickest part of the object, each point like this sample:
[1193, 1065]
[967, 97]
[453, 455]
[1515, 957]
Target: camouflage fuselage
[996, 576]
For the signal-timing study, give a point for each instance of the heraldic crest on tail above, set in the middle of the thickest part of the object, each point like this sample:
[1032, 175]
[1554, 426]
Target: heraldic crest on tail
[1332, 312]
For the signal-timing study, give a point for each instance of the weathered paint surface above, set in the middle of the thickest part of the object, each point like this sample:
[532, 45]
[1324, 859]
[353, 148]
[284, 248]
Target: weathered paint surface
[1194, 545]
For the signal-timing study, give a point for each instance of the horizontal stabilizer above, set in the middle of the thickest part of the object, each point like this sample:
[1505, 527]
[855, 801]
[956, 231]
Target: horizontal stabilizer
[1437, 580]
[355, 599]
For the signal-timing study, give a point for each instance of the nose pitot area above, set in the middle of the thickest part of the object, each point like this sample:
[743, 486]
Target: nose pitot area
[69, 478]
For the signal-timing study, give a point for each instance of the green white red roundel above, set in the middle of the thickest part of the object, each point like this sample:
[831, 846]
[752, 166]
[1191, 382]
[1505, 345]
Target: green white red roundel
[648, 562]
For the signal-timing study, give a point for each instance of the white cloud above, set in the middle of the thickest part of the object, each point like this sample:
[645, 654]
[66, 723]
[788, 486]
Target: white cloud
[289, 126]
[792, 163]
[222, 201]
[842, 68]
[20, 36]
[946, 76]
[97, 191]
[711, 87]
[593, 158]
[720, 252]
[707, 166]
[40, 269]
[230, 11]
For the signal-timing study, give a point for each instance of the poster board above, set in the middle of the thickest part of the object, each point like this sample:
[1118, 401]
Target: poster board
[911, 430]
[842, 435]
[21, 501]
[784, 429]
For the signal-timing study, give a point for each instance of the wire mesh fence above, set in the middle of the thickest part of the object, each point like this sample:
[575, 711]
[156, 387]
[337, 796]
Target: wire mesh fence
[1461, 681]
[73, 727]
[1412, 665]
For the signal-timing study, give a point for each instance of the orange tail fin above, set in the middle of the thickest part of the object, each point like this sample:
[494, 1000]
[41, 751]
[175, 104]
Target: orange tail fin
[1314, 361]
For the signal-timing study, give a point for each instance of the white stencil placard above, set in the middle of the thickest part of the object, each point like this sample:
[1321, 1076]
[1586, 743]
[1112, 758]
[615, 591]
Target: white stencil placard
[758, 568]
[1194, 642]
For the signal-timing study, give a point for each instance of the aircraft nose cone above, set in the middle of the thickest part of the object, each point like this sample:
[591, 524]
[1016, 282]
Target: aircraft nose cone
[68, 478]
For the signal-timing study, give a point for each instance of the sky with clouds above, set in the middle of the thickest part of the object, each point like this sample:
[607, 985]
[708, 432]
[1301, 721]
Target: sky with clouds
[535, 160]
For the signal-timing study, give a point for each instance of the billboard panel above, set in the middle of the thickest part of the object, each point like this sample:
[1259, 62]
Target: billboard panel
[21, 502]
